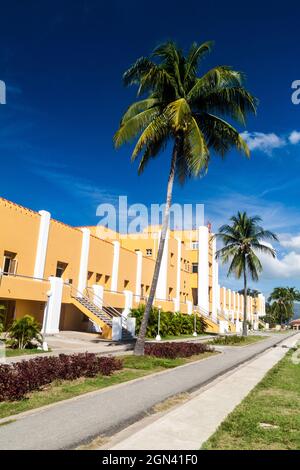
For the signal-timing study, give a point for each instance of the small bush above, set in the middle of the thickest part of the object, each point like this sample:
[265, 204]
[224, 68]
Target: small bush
[227, 340]
[171, 324]
[25, 333]
[18, 379]
[174, 350]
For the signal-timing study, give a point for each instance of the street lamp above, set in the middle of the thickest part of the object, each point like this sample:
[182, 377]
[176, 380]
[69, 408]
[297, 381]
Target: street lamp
[195, 324]
[158, 337]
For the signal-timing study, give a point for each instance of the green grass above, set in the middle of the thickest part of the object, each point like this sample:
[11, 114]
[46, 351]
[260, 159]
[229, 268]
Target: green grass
[237, 340]
[135, 367]
[275, 401]
[23, 352]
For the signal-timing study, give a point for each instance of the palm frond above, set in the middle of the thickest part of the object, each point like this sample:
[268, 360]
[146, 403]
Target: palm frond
[132, 127]
[196, 53]
[138, 107]
[220, 135]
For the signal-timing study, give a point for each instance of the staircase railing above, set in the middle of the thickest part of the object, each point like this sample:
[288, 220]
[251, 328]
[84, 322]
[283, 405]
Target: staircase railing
[206, 314]
[105, 306]
[75, 293]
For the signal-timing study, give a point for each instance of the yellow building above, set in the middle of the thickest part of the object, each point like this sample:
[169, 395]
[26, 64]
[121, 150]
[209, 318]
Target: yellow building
[72, 278]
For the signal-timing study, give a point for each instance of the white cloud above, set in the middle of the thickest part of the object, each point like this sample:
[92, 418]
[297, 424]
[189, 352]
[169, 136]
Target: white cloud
[267, 142]
[290, 241]
[287, 266]
[264, 142]
[294, 137]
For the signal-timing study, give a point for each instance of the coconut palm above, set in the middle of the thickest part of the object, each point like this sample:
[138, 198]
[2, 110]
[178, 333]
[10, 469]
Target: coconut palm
[242, 244]
[177, 106]
[282, 303]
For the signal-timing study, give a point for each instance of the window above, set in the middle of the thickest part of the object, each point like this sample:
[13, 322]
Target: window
[106, 280]
[9, 263]
[89, 275]
[142, 290]
[194, 245]
[126, 283]
[172, 259]
[60, 268]
[170, 293]
[195, 267]
[98, 277]
[149, 252]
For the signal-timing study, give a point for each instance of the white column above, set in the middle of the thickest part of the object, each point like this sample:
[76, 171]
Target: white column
[229, 303]
[98, 295]
[161, 289]
[178, 274]
[115, 266]
[238, 305]
[225, 303]
[128, 302]
[139, 267]
[189, 307]
[98, 301]
[41, 251]
[203, 300]
[84, 259]
[234, 306]
[53, 306]
[215, 286]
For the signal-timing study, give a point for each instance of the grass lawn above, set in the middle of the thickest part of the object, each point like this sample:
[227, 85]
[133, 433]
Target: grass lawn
[268, 418]
[135, 367]
[237, 340]
[22, 352]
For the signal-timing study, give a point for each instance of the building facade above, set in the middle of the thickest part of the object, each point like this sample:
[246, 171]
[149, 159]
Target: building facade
[88, 278]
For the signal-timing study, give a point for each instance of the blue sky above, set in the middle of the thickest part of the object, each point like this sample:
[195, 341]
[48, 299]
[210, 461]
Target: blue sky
[62, 63]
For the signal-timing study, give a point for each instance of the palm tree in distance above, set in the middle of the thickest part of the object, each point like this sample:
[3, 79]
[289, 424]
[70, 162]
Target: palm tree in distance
[282, 303]
[186, 110]
[242, 243]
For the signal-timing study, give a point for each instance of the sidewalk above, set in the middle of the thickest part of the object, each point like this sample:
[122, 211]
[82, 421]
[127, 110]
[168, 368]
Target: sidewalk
[68, 424]
[189, 425]
[72, 342]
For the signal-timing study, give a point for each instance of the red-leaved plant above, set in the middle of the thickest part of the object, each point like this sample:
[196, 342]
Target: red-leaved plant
[20, 378]
[173, 350]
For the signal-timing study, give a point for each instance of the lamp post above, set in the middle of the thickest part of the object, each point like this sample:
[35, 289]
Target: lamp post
[195, 324]
[158, 337]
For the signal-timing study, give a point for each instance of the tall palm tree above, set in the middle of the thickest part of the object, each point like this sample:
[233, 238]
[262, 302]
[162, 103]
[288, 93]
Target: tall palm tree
[282, 303]
[242, 243]
[189, 111]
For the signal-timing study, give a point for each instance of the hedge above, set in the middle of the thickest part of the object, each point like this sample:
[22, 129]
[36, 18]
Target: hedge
[171, 324]
[18, 379]
[174, 350]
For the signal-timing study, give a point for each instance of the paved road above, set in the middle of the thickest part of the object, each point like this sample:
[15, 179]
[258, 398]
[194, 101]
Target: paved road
[73, 422]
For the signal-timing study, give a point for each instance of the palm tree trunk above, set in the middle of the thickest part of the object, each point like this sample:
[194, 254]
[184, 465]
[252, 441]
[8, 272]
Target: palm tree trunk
[140, 344]
[245, 305]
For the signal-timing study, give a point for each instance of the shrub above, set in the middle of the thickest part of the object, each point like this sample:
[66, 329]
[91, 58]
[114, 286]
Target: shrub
[174, 350]
[18, 379]
[171, 324]
[24, 333]
[227, 340]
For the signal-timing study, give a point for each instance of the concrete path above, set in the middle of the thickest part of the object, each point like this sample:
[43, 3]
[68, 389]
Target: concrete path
[189, 425]
[70, 423]
[72, 342]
